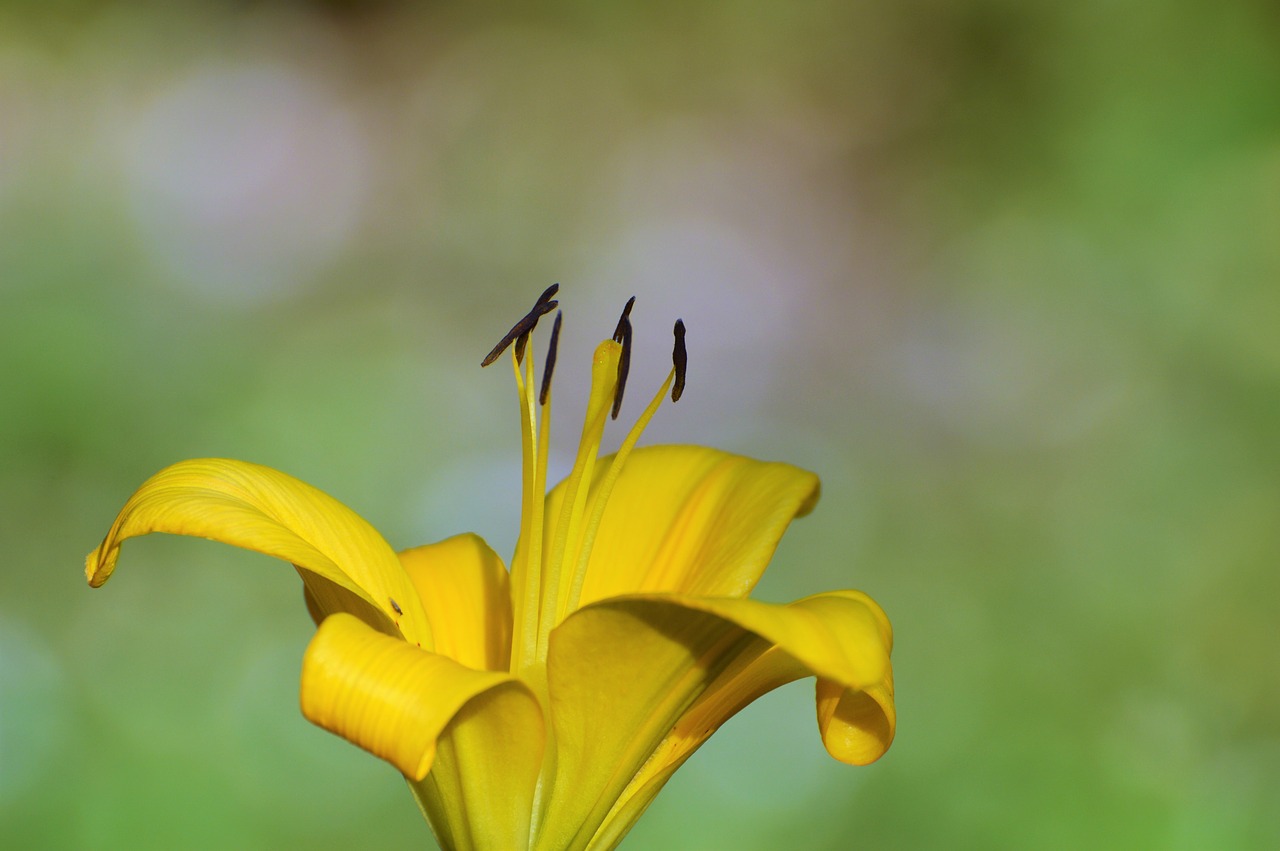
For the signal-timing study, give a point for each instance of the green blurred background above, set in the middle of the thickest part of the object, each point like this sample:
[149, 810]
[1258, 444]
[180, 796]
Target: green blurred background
[1005, 274]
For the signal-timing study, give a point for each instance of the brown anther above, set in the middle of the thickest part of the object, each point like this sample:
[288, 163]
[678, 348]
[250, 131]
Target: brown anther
[551, 360]
[547, 295]
[626, 313]
[680, 359]
[525, 326]
[622, 335]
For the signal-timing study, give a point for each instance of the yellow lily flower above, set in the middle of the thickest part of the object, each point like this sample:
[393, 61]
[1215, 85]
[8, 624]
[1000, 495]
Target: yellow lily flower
[544, 707]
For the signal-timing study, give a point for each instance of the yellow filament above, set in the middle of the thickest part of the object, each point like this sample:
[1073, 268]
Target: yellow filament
[601, 497]
[539, 511]
[526, 565]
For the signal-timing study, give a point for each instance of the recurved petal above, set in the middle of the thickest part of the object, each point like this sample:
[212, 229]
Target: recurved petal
[463, 587]
[401, 704]
[262, 509]
[667, 671]
[481, 790]
[857, 723]
[689, 520]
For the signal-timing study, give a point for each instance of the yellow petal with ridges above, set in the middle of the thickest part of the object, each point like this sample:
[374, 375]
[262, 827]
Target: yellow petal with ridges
[258, 508]
[710, 531]
[463, 586]
[397, 702]
[666, 671]
[481, 790]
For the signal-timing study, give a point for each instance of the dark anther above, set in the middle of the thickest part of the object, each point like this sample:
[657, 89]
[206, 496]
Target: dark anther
[551, 360]
[626, 313]
[680, 358]
[548, 294]
[622, 335]
[525, 326]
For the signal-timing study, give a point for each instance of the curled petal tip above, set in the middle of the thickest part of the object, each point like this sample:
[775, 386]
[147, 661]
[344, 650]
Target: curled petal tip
[98, 567]
[811, 501]
[857, 726]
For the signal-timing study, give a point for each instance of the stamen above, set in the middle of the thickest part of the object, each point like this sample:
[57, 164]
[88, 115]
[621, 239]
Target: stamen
[521, 342]
[623, 336]
[541, 308]
[626, 312]
[551, 360]
[680, 358]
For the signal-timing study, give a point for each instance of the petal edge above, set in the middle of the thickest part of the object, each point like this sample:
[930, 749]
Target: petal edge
[261, 509]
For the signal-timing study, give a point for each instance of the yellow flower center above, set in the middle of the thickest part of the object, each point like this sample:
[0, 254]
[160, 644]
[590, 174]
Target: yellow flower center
[547, 574]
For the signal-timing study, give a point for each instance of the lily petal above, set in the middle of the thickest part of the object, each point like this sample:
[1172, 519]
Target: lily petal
[261, 509]
[857, 723]
[481, 791]
[712, 532]
[666, 671]
[463, 586]
[423, 712]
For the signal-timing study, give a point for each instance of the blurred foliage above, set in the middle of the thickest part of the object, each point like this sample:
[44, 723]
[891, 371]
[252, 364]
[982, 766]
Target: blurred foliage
[1004, 274]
